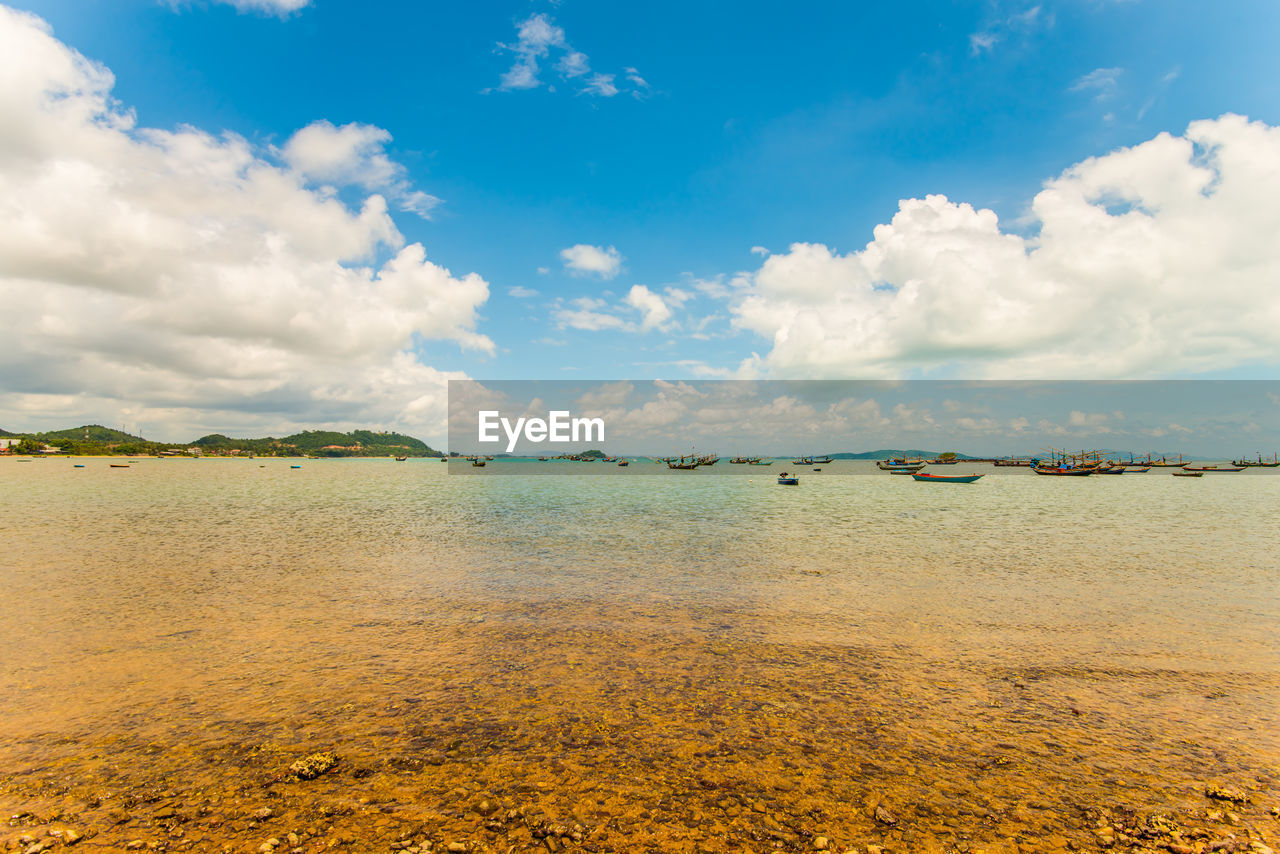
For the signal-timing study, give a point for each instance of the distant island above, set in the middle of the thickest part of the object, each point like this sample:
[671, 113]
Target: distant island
[96, 440]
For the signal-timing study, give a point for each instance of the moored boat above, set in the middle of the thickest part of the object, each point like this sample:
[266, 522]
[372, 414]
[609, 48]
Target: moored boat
[944, 478]
[1259, 462]
[785, 479]
[1183, 473]
[1221, 469]
[1061, 471]
[885, 465]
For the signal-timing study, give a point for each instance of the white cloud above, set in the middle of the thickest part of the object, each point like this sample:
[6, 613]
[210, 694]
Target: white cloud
[573, 64]
[1154, 260]
[353, 154]
[592, 314]
[1103, 82]
[600, 84]
[537, 39]
[536, 36]
[273, 7]
[1021, 24]
[654, 309]
[189, 280]
[586, 316]
[585, 260]
[521, 292]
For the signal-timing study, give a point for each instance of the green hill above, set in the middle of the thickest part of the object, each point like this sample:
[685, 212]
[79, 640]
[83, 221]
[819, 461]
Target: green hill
[889, 453]
[96, 439]
[326, 443]
[90, 433]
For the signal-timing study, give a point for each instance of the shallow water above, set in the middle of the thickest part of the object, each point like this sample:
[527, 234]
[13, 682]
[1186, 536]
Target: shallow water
[664, 663]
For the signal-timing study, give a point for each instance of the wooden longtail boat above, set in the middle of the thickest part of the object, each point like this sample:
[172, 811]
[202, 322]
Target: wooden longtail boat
[885, 465]
[785, 479]
[1222, 469]
[1181, 473]
[1271, 463]
[1062, 472]
[945, 478]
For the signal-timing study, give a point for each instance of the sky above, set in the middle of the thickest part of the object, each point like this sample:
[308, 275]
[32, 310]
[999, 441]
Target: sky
[256, 216]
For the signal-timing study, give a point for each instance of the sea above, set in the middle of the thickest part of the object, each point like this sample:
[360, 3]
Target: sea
[650, 661]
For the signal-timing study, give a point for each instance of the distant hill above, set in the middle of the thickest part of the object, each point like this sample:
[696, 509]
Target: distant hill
[888, 453]
[328, 443]
[94, 433]
[96, 439]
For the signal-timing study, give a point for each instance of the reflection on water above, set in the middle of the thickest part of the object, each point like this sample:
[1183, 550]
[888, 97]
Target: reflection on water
[609, 664]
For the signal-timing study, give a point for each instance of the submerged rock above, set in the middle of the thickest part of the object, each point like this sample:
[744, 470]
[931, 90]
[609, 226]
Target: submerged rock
[1222, 793]
[313, 766]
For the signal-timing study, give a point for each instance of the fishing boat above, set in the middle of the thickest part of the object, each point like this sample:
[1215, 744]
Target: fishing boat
[802, 461]
[1223, 469]
[79, 465]
[295, 467]
[118, 465]
[623, 462]
[885, 465]
[1015, 461]
[785, 479]
[751, 461]
[941, 462]
[820, 460]
[478, 463]
[1137, 469]
[1165, 462]
[907, 470]
[1113, 469]
[401, 459]
[1062, 471]
[1184, 473]
[1271, 463]
[945, 478]
[760, 463]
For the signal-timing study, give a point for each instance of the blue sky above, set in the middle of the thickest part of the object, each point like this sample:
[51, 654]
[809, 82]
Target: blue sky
[684, 149]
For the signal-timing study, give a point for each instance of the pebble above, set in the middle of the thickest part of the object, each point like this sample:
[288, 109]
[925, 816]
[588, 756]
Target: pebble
[821, 843]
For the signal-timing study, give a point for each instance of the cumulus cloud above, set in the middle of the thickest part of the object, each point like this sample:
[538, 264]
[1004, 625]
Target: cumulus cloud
[654, 309]
[585, 260]
[353, 154]
[192, 279]
[538, 39]
[521, 292]
[1159, 259]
